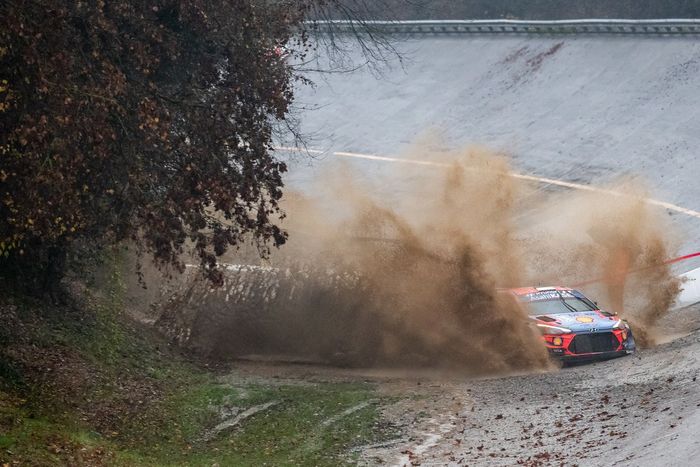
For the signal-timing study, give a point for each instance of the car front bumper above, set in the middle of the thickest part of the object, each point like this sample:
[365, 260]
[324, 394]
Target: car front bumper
[592, 346]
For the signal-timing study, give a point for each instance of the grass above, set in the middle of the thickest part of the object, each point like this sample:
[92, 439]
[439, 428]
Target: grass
[289, 433]
[125, 400]
[31, 440]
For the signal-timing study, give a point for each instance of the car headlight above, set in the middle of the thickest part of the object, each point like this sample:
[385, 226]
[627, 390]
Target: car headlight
[552, 330]
[620, 325]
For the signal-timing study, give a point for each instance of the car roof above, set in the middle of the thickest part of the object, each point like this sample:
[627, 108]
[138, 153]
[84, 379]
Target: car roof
[530, 290]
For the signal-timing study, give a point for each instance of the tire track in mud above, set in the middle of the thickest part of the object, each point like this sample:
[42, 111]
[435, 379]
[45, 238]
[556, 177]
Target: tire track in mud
[430, 441]
[349, 411]
[447, 405]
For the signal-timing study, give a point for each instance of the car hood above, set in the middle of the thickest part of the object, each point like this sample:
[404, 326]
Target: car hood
[582, 321]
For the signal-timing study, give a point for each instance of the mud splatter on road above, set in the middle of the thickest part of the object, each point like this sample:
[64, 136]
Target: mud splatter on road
[641, 410]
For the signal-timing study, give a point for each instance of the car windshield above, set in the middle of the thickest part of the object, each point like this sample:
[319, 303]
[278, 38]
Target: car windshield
[566, 305]
[557, 302]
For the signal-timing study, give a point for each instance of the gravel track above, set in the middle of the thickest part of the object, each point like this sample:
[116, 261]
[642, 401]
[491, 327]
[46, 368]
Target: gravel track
[638, 410]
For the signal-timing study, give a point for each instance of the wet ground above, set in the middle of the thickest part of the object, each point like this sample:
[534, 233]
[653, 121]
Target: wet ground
[639, 410]
[642, 409]
[583, 109]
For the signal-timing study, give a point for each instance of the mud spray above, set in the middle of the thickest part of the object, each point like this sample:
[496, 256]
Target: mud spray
[620, 239]
[412, 278]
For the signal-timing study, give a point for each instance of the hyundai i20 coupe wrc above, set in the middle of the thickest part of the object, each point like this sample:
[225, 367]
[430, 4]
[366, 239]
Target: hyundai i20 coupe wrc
[572, 326]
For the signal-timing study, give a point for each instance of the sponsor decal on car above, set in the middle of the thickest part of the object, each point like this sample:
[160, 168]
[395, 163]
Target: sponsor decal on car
[547, 295]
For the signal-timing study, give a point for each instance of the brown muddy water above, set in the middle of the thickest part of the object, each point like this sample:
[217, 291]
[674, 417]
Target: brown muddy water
[413, 281]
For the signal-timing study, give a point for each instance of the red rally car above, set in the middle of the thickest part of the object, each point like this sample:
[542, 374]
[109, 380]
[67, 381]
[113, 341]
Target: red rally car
[572, 326]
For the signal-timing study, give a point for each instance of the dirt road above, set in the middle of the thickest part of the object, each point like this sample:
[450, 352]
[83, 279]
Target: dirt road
[641, 410]
[638, 410]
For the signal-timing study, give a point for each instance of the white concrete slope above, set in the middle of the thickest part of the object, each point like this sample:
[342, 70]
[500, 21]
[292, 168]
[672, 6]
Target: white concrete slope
[690, 293]
[576, 108]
